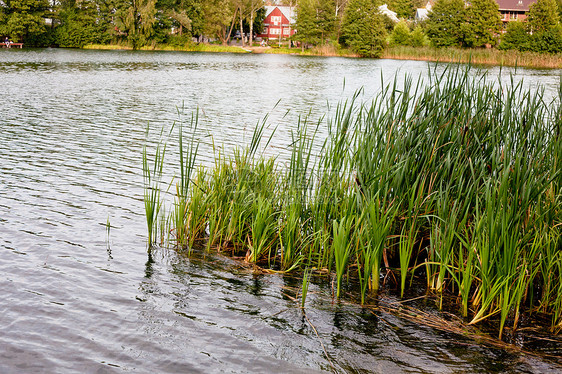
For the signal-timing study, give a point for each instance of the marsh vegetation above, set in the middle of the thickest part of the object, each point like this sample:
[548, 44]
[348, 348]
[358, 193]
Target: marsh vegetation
[456, 180]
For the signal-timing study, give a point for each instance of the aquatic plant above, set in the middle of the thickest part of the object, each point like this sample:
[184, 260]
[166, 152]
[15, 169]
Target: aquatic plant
[457, 180]
[152, 176]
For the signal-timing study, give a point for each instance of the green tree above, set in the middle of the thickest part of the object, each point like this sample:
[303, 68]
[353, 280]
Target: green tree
[542, 15]
[417, 37]
[403, 8]
[79, 24]
[444, 23]
[547, 41]
[174, 13]
[314, 20]
[136, 18]
[363, 28]
[220, 17]
[483, 23]
[23, 19]
[515, 37]
[401, 34]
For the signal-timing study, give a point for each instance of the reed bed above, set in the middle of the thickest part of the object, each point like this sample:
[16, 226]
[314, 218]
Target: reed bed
[484, 56]
[456, 180]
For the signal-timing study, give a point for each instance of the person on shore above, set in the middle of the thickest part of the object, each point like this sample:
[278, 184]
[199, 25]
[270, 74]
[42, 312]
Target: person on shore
[7, 42]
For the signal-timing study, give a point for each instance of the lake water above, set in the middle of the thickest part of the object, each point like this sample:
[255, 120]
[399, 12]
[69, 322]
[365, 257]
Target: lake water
[76, 297]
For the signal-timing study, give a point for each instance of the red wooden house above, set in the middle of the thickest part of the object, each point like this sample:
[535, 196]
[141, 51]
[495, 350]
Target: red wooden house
[279, 22]
[514, 10]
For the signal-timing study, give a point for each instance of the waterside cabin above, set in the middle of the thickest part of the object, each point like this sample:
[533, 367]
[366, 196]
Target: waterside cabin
[279, 22]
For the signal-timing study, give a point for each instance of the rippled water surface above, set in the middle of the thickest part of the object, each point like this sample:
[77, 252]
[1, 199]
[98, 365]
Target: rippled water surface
[76, 297]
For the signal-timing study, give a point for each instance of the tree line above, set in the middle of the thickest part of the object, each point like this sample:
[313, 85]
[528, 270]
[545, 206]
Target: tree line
[354, 24]
[359, 25]
[75, 23]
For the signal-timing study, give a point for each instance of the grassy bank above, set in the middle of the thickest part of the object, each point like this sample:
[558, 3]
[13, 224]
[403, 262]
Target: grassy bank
[455, 180]
[201, 47]
[326, 50]
[475, 56]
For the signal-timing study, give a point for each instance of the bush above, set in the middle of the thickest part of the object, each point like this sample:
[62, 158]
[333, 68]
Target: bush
[418, 38]
[549, 41]
[515, 37]
[401, 34]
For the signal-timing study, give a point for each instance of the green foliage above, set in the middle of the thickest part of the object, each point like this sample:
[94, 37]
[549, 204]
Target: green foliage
[403, 8]
[483, 23]
[417, 37]
[471, 194]
[542, 15]
[545, 41]
[80, 25]
[515, 37]
[23, 19]
[445, 21]
[549, 41]
[315, 21]
[136, 18]
[401, 34]
[219, 16]
[363, 28]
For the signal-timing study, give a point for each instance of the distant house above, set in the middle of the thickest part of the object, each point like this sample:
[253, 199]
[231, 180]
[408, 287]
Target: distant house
[383, 9]
[513, 10]
[422, 13]
[279, 22]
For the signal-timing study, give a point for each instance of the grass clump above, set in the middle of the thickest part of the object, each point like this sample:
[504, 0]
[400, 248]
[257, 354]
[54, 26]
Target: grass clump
[457, 180]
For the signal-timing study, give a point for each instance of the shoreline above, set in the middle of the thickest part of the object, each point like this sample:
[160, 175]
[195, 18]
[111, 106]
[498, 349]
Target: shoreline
[490, 57]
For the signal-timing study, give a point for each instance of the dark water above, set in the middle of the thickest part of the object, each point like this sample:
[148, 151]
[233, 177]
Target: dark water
[76, 297]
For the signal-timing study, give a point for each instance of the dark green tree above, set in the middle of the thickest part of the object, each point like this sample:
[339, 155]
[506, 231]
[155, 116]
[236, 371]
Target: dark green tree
[417, 37]
[136, 19]
[401, 34]
[23, 19]
[326, 19]
[542, 15]
[79, 24]
[363, 28]
[308, 31]
[403, 8]
[483, 23]
[547, 41]
[515, 37]
[445, 23]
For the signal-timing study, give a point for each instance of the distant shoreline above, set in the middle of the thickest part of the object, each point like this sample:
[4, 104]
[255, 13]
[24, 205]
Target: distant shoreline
[481, 56]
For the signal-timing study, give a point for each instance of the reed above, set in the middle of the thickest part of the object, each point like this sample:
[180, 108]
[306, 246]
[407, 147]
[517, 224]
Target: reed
[152, 177]
[456, 179]
[484, 56]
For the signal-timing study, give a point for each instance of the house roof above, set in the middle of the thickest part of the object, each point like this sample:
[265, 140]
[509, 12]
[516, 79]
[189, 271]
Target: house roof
[421, 14]
[522, 5]
[383, 9]
[288, 12]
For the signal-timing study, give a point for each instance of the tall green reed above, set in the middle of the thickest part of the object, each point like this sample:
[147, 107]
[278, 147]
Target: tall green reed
[456, 178]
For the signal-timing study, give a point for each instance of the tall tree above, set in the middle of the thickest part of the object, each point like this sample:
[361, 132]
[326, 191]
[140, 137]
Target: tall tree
[257, 13]
[363, 28]
[445, 21]
[79, 24]
[483, 23]
[136, 18]
[307, 26]
[542, 15]
[316, 21]
[23, 18]
[220, 16]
